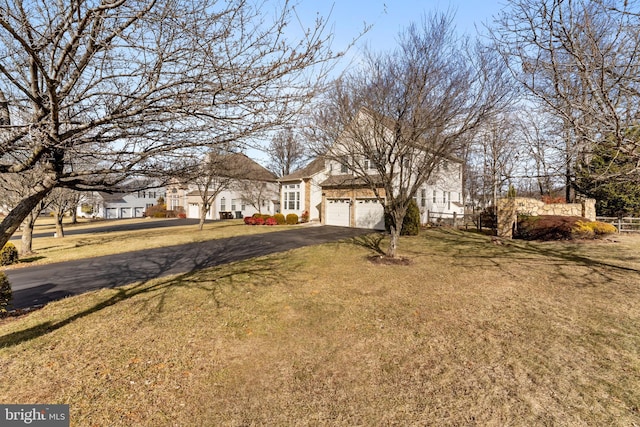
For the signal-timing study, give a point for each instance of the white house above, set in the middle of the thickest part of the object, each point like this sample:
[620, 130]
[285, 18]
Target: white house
[98, 204]
[251, 189]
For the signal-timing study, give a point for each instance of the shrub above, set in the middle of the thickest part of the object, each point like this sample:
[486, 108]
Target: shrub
[182, 215]
[5, 293]
[546, 227]
[411, 223]
[292, 219]
[258, 220]
[249, 220]
[553, 227]
[304, 217]
[280, 219]
[591, 229]
[271, 221]
[9, 254]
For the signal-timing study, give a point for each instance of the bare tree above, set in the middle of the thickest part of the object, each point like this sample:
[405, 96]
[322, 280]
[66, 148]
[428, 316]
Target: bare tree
[393, 122]
[287, 152]
[496, 156]
[581, 60]
[13, 188]
[61, 202]
[128, 87]
[213, 175]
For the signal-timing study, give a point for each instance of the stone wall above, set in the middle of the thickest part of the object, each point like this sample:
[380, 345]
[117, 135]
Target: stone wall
[510, 208]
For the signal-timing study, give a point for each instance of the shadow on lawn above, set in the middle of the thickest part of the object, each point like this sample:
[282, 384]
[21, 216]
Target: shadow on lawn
[559, 254]
[264, 271]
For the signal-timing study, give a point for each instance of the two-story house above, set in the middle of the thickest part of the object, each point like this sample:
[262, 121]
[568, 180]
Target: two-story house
[333, 193]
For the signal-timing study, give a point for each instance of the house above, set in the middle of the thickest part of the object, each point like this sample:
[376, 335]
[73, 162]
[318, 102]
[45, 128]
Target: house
[133, 204]
[239, 187]
[335, 195]
[301, 190]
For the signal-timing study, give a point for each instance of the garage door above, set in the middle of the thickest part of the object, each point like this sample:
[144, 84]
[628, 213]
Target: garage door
[111, 213]
[126, 213]
[369, 214]
[338, 212]
[194, 210]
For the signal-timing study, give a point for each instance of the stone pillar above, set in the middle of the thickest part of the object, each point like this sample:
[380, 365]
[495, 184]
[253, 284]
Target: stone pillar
[506, 217]
[589, 209]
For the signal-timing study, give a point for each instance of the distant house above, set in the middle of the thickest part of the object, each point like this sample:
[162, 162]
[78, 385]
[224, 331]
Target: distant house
[132, 204]
[248, 188]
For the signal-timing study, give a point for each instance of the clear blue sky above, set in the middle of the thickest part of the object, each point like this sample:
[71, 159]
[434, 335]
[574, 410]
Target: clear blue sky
[389, 17]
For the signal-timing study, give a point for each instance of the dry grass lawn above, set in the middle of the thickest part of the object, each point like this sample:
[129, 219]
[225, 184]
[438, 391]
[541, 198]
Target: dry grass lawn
[471, 333]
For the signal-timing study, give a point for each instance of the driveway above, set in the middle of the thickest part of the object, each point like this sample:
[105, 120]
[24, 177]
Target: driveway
[42, 284]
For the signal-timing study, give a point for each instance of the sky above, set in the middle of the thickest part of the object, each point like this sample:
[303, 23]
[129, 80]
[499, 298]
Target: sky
[347, 18]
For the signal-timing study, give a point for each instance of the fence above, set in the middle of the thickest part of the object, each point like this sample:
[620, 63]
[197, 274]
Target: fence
[445, 218]
[624, 225]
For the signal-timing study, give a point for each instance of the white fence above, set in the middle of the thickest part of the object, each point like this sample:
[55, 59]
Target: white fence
[624, 225]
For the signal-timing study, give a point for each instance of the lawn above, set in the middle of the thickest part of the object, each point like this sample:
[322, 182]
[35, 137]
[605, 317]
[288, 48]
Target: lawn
[470, 333]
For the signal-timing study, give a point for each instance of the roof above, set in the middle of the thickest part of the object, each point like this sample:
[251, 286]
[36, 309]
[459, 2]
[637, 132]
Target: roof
[346, 181]
[247, 168]
[317, 165]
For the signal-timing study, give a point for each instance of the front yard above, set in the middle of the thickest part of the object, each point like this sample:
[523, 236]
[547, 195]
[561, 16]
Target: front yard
[471, 333]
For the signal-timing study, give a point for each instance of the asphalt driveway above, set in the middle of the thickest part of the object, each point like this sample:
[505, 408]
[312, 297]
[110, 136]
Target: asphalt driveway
[39, 285]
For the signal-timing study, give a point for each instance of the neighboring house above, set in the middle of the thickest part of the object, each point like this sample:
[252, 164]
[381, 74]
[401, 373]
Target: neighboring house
[251, 190]
[98, 204]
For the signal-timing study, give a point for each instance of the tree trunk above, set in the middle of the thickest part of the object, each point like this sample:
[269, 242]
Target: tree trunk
[12, 221]
[393, 242]
[59, 228]
[395, 228]
[26, 243]
[203, 215]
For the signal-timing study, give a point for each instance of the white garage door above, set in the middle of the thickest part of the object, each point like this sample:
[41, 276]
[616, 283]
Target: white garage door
[369, 214]
[338, 212]
[111, 213]
[194, 210]
[126, 213]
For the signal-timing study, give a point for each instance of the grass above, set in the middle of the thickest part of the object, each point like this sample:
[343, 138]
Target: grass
[471, 333]
[72, 247]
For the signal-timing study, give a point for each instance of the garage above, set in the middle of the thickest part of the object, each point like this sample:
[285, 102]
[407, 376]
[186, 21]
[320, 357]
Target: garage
[194, 211]
[369, 214]
[338, 212]
[126, 213]
[111, 213]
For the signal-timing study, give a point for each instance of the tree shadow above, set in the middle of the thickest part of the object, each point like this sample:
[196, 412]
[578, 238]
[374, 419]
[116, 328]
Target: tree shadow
[264, 271]
[558, 255]
[370, 241]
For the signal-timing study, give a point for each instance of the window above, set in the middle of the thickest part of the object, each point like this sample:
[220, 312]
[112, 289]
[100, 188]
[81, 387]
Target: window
[233, 204]
[292, 200]
[444, 197]
[434, 196]
[423, 197]
[449, 200]
[223, 204]
[344, 164]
